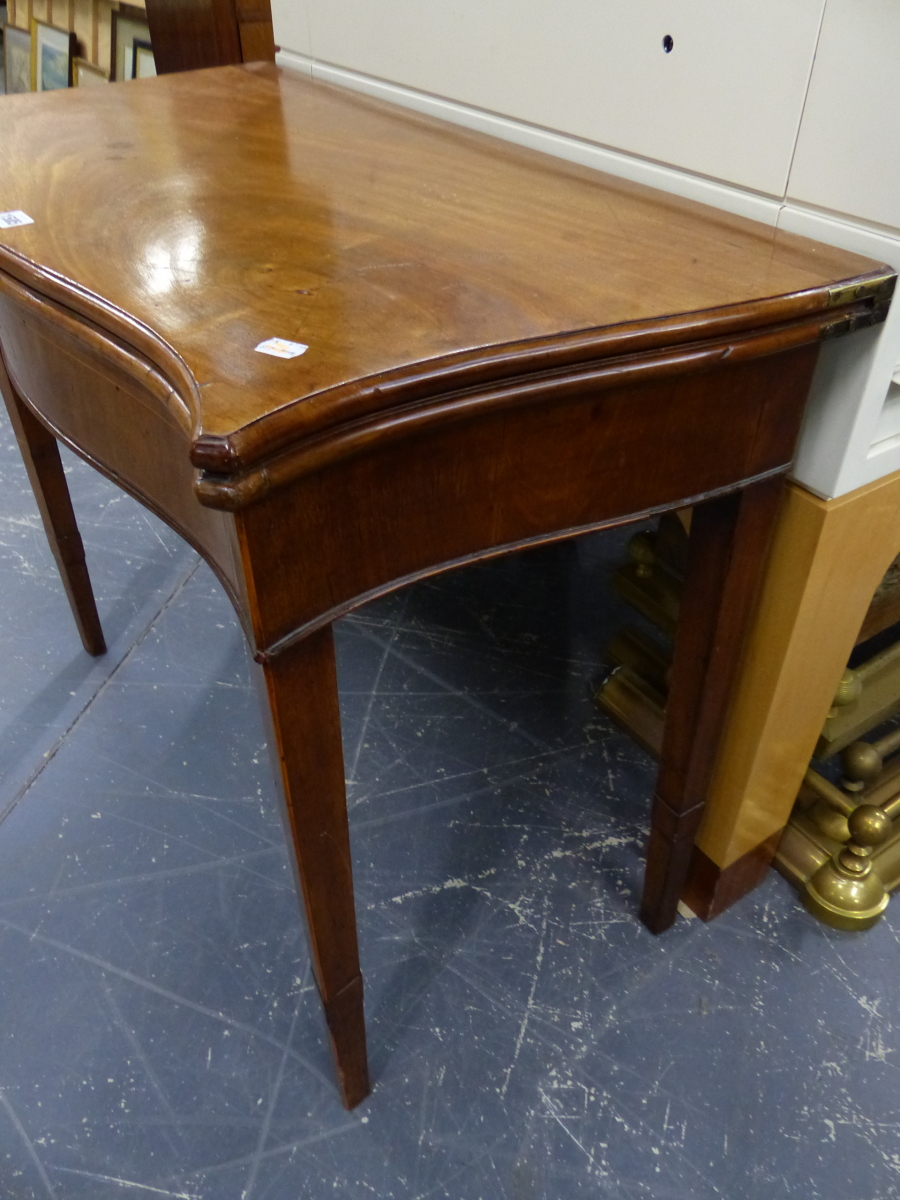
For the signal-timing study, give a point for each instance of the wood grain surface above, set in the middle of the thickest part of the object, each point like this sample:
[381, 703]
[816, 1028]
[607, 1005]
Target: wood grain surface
[217, 209]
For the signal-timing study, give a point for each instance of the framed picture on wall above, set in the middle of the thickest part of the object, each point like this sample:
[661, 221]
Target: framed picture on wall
[143, 65]
[52, 51]
[129, 25]
[17, 60]
[85, 74]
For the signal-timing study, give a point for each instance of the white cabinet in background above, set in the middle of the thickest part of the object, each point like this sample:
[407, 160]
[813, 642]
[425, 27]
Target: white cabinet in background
[848, 151]
[725, 102]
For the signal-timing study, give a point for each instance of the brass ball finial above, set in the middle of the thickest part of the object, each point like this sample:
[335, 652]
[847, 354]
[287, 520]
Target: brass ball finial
[849, 689]
[861, 763]
[846, 892]
[869, 825]
[642, 548]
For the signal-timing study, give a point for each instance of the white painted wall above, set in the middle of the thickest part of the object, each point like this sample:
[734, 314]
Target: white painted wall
[848, 149]
[725, 102]
[779, 110]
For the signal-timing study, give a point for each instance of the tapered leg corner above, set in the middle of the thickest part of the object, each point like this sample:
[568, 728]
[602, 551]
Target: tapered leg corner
[669, 849]
[306, 740]
[347, 1030]
[726, 558]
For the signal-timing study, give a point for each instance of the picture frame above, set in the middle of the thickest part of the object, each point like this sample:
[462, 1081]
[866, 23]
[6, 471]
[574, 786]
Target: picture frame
[17, 59]
[128, 25]
[52, 52]
[85, 74]
[143, 64]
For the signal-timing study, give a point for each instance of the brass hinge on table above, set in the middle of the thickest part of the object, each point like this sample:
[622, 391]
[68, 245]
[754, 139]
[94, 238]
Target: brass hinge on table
[880, 287]
[857, 318]
[871, 299]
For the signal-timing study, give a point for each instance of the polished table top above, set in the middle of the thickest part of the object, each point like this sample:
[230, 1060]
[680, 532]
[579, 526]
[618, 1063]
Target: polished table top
[503, 349]
[221, 208]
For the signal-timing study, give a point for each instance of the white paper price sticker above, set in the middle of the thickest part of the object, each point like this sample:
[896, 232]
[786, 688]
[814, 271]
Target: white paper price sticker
[9, 220]
[279, 348]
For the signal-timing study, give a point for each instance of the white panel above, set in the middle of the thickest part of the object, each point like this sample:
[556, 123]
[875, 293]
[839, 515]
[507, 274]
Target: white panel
[838, 449]
[290, 24]
[726, 101]
[848, 152]
[889, 422]
[884, 459]
[639, 170]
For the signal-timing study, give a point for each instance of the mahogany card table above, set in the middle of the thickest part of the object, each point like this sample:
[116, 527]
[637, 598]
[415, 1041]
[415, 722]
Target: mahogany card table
[477, 348]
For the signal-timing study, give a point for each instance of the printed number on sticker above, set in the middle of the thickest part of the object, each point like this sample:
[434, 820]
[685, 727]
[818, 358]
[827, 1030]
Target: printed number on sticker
[9, 220]
[279, 348]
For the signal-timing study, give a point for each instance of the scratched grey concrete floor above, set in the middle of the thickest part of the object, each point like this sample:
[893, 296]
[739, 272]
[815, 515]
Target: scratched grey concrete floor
[529, 1039]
